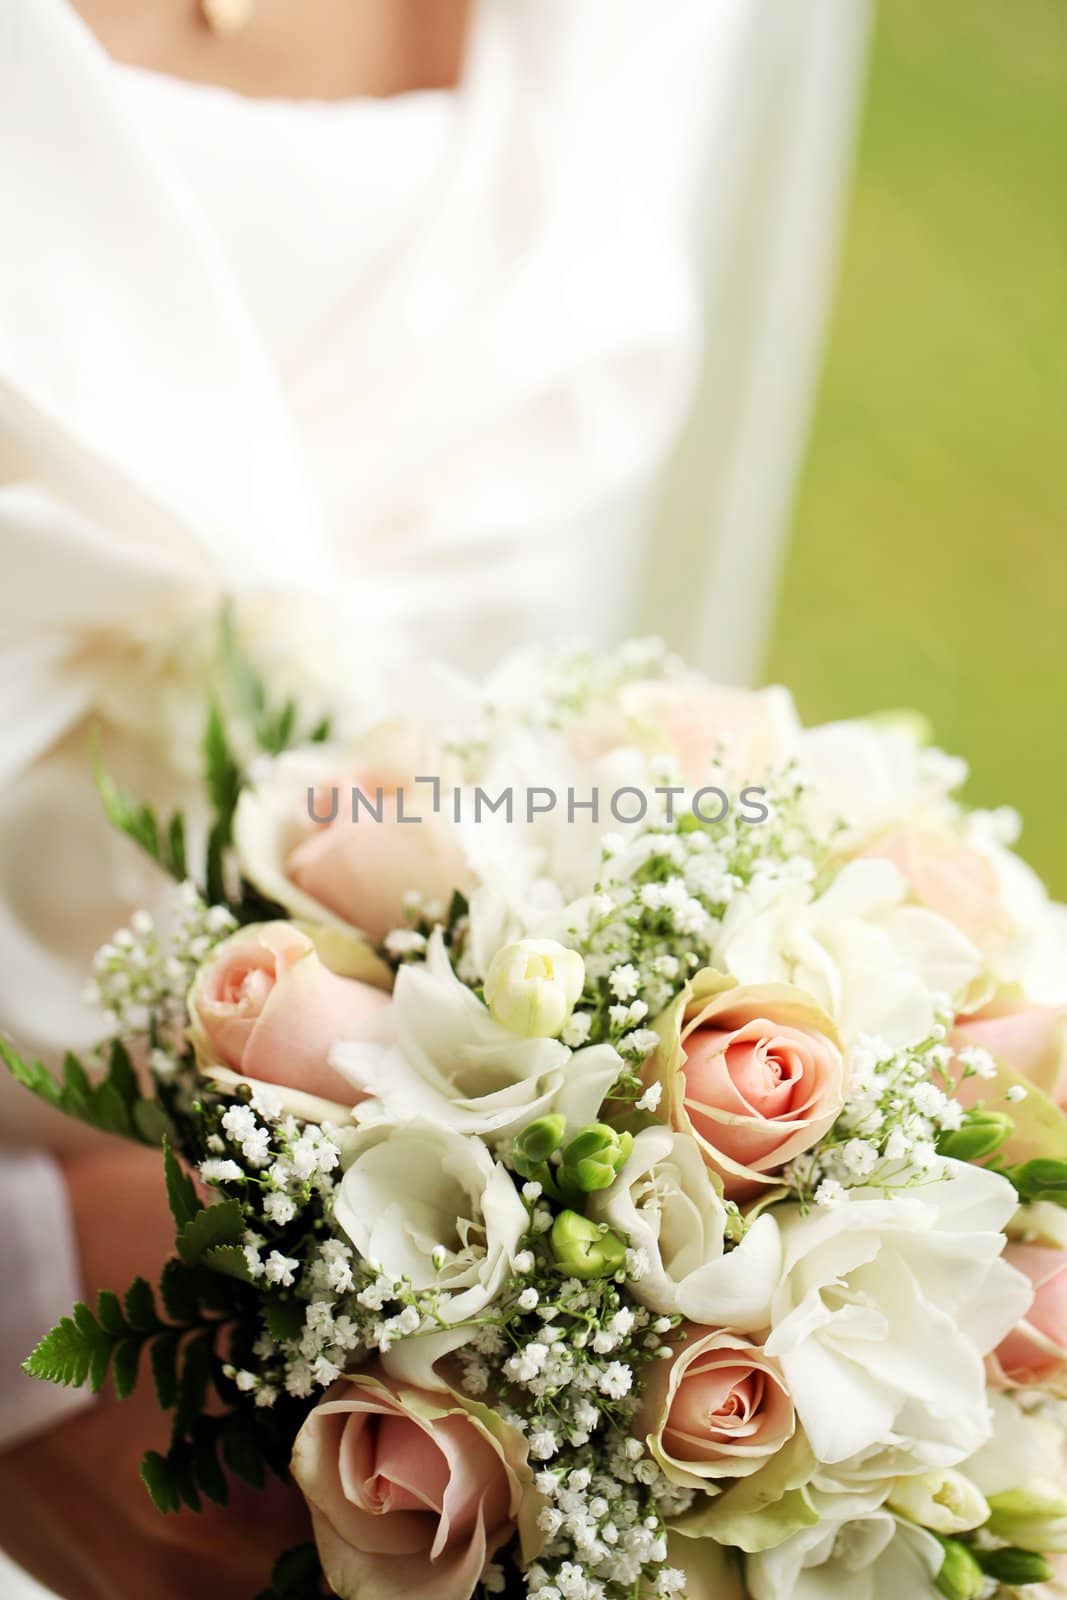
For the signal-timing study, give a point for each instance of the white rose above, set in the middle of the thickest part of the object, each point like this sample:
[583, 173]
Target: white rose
[433, 1207]
[857, 1550]
[874, 962]
[885, 1310]
[665, 1203]
[533, 985]
[445, 1057]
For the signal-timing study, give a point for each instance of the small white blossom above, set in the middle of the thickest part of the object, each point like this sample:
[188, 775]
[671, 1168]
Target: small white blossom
[281, 1269]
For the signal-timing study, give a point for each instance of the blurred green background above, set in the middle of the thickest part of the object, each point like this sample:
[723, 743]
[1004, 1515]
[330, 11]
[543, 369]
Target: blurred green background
[928, 560]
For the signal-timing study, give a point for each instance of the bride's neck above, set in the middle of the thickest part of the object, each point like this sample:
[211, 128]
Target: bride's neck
[315, 49]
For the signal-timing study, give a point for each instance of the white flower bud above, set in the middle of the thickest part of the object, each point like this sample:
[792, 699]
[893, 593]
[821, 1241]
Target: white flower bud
[533, 986]
[944, 1502]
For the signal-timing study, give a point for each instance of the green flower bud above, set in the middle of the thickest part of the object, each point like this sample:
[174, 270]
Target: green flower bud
[586, 1249]
[980, 1135]
[1041, 1179]
[536, 1143]
[1033, 1517]
[594, 1156]
[1015, 1567]
[960, 1578]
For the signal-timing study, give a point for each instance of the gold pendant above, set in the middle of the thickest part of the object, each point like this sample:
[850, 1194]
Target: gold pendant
[226, 17]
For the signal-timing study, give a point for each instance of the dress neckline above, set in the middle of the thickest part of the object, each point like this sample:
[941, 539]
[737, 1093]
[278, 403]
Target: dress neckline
[166, 83]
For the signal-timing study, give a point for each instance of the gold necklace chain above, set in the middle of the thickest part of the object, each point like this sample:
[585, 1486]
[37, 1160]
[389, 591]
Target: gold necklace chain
[226, 17]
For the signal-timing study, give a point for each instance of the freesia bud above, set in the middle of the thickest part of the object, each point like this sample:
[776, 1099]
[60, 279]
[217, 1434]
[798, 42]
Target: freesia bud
[960, 1578]
[533, 985]
[944, 1502]
[1033, 1517]
[980, 1135]
[1015, 1567]
[536, 1143]
[585, 1249]
[594, 1156]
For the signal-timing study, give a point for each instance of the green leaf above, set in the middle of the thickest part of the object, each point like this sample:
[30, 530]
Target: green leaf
[159, 1479]
[210, 1478]
[229, 1260]
[284, 1317]
[221, 1224]
[178, 854]
[276, 732]
[110, 1112]
[121, 1073]
[77, 1091]
[178, 1287]
[63, 1356]
[125, 1361]
[114, 1105]
[222, 773]
[242, 1454]
[197, 1365]
[109, 1313]
[217, 890]
[165, 845]
[297, 1575]
[164, 1354]
[140, 1304]
[181, 1194]
[151, 1123]
[31, 1075]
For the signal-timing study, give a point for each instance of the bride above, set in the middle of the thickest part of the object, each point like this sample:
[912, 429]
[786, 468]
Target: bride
[406, 323]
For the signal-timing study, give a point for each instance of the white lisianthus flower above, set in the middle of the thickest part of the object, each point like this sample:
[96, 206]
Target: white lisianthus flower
[1021, 1473]
[857, 1550]
[432, 1206]
[873, 774]
[876, 963]
[533, 985]
[442, 1055]
[885, 1310]
[665, 1203]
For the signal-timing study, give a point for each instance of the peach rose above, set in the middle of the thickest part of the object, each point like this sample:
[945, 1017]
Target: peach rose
[1035, 1352]
[1029, 1039]
[719, 1409]
[358, 865]
[754, 1073]
[411, 1492]
[268, 1008]
[699, 724]
[951, 878]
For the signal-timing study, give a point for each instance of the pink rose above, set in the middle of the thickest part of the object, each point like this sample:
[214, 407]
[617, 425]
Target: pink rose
[410, 1492]
[719, 1409]
[267, 1007]
[951, 878]
[1035, 1351]
[360, 862]
[753, 1072]
[1028, 1039]
[699, 724]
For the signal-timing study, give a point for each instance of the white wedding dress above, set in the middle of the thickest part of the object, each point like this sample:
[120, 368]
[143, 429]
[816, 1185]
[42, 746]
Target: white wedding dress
[425, 361]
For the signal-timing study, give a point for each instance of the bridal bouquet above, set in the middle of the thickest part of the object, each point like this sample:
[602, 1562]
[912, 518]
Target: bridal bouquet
[614, 1144]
